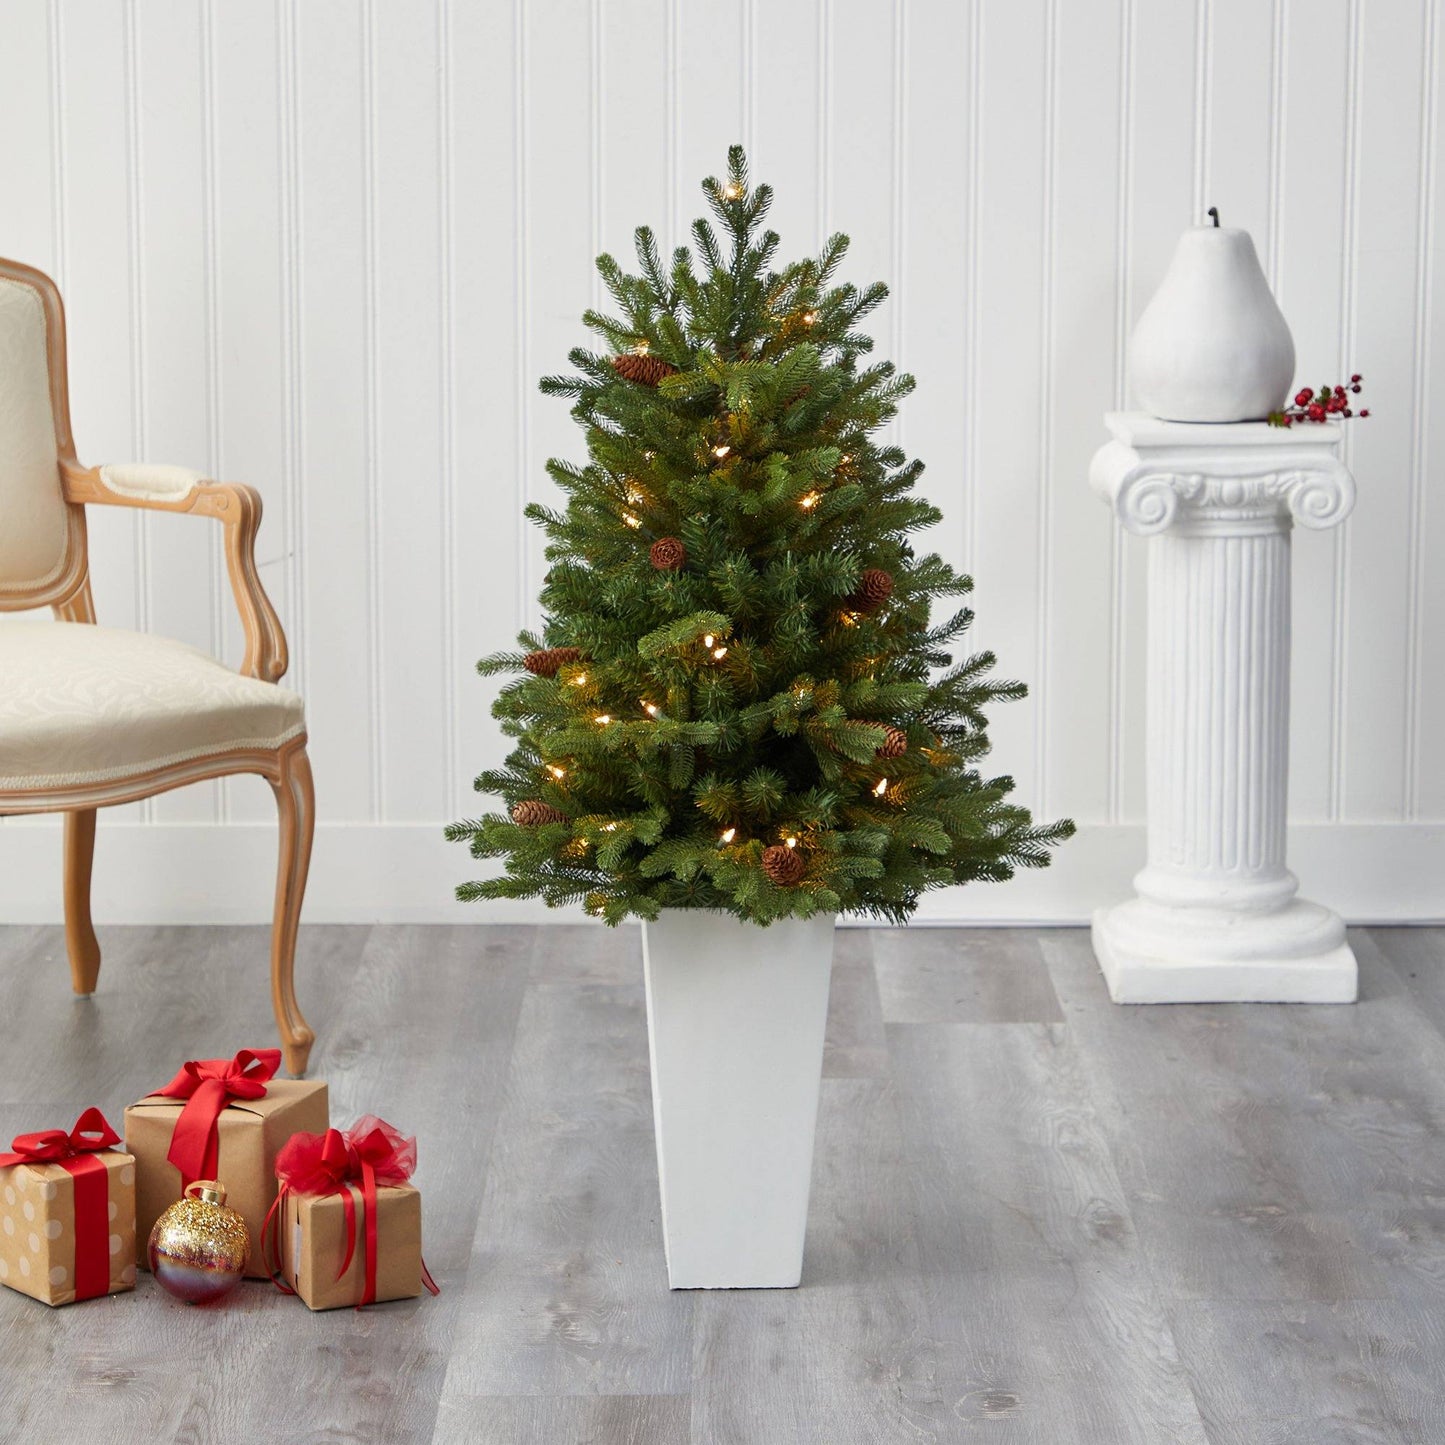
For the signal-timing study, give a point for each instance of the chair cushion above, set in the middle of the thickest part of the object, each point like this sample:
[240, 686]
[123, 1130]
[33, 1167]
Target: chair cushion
[81, 704]
[32, 509]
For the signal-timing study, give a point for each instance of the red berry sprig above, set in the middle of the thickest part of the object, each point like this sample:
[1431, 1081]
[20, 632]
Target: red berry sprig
[1329, 401]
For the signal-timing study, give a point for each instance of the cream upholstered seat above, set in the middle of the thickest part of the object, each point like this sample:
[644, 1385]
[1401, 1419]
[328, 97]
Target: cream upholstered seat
[90, 716]
[82, 704]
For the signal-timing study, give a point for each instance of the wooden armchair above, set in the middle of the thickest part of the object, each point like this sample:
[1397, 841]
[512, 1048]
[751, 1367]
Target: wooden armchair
[92, 716]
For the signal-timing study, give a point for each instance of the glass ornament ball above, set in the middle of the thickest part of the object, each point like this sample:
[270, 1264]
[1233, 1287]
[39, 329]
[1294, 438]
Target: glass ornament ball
[198, 1248]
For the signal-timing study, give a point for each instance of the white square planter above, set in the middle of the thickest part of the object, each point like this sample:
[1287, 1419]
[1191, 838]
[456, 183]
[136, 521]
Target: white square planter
[735, 1021]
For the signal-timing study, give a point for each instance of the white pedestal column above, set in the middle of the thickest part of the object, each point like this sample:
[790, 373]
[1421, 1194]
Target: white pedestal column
[1216, 919]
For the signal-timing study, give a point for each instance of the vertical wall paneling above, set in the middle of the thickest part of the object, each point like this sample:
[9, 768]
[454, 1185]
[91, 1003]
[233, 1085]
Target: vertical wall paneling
[329, 247]
[371, 307]
[633, 130]
[1420, 368]
[96, 247]
[522, 290]
[250, 304]
[407, 336]
[94, 251]
[1349, 297]
[708, 97]
[1043, 540]
[1387, 234]
[446, 405]
[1310, 261]
[27, 171]
[169, 337]
[491, 385]
[971, 272]
[1008, 435]
[1429, 681]
[1113, 771]
[1081, 370]
[933, 238]
[334, 469]
[787, 119]
[559, 254]
[1163, 140]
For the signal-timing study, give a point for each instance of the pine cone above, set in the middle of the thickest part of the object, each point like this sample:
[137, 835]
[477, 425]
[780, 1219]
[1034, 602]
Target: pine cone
[667, 554]
[646, 370]
[546, 662]
[874, 588]
[533, 813]
[783, 865]
[895, 745]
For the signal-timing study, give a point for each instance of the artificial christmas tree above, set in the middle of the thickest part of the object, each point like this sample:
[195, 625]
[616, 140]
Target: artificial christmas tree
[732, 707]
[737, 625]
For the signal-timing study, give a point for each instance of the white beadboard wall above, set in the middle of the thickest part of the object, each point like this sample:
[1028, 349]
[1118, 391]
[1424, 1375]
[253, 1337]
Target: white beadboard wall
[328, 246]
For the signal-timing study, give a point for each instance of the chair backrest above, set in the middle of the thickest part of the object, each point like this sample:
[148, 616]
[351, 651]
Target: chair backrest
[42, 537]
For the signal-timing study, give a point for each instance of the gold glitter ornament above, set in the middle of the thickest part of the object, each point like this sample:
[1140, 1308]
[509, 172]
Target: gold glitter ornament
[198, 1248]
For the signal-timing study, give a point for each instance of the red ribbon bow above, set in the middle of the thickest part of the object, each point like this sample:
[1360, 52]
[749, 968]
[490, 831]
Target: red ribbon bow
[207, 1086]
[75, 1153]
[369, 1154]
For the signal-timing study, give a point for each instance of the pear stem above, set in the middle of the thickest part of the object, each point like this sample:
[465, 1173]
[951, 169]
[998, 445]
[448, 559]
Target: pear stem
[1214, 212]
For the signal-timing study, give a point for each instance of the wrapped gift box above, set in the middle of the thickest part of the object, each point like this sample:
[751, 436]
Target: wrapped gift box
[314, 1239]
[249, 1132]
[43, 1237]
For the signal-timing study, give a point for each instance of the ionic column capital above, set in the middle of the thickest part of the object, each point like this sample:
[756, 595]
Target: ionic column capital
[1241, 479]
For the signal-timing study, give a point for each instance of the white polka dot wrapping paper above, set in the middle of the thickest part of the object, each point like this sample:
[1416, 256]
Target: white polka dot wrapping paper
[67, 1214]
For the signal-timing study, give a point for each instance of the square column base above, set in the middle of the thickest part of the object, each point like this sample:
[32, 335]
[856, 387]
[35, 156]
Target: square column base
[1152, 954]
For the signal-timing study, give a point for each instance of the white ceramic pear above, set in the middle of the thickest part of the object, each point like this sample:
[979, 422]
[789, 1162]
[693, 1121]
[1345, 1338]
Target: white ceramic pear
[1212, 345]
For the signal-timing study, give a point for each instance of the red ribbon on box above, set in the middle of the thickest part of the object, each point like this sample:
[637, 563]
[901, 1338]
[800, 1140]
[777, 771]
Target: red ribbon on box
[369, 1154]
[75, 1153]
[207, 1086]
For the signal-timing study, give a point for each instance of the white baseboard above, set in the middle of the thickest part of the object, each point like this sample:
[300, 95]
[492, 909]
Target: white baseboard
[405, 873]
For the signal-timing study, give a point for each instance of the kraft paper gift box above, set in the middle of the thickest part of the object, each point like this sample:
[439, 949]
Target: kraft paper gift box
[349, 1231]
[241, 1143]
[314, 1240]
[67, 1214]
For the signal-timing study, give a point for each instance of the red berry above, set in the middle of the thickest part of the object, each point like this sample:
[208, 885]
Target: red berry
[1355, 387]
[1357, 378]
[1317, 412]
[1335, 403]
[1348, 412]
[1366, 412]
[1303, 398]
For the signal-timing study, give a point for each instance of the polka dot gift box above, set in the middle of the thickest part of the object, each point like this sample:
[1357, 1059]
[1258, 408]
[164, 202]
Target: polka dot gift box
[67, 1213]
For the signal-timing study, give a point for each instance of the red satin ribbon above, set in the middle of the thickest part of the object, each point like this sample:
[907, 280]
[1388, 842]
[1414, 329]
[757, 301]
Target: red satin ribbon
[207, 1086]
[75, 1153]
[369, 1154]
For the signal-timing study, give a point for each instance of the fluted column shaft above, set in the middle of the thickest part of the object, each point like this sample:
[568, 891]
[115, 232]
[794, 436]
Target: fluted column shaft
[1218, 715]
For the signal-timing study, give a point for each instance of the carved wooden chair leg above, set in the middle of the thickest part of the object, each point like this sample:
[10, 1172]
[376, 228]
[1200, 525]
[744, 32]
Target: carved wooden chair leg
[80, 940]
[296, 809]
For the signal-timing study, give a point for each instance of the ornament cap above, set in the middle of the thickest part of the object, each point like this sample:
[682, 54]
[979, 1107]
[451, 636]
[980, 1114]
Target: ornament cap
[209, 1191]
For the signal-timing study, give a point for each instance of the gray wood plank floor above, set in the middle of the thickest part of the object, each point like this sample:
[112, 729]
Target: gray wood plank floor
[1036, 1217]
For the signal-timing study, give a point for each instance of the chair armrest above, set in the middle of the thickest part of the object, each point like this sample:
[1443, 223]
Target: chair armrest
[236, 507]
[145, 482]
